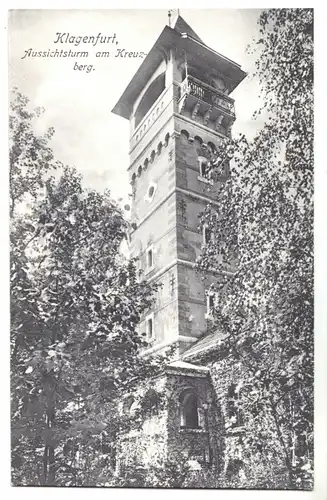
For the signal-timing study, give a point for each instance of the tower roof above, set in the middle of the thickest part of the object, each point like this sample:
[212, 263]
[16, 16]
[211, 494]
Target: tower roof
[181, 367]
[204, 345]
[180, 35]
[180, 25]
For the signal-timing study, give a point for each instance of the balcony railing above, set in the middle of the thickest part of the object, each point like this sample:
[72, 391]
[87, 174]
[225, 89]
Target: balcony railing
[206, 93]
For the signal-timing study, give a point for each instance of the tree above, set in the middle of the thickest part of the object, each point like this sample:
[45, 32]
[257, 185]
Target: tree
[30, 156]
[75, 305]
[263, 229]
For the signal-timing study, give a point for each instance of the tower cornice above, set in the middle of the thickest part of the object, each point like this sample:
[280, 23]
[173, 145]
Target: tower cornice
[175, 133]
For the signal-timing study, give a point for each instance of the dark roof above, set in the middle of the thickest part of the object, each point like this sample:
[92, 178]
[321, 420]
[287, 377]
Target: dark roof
[183, 36]
[204, 345]
[167, 39]
[181, 26]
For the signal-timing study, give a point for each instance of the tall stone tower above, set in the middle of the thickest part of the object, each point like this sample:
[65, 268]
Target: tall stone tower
[179, 109]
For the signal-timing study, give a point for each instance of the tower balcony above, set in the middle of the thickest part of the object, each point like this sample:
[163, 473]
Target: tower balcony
[199, 99]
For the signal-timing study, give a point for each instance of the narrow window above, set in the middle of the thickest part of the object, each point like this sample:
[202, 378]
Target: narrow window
[149, 328]
[189, 410]
[206, 234]
[211, 299]
[150, 258]
[203, 168]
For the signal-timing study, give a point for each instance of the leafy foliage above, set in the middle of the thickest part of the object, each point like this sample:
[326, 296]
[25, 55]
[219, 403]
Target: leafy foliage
[75, 306]
[263, 229]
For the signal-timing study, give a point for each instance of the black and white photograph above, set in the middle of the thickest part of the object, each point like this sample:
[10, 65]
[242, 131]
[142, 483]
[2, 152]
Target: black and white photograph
[161, 210]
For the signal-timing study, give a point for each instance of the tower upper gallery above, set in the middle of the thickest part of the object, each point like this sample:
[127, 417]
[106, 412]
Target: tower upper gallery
[180, 75]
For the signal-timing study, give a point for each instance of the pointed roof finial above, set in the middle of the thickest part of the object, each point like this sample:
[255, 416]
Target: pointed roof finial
[169, 18]
[180, 25]
[170, 12]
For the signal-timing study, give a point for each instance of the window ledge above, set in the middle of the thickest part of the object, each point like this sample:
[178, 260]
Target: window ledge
[235, 430]
[204, 179]
[192, 431]
[149, 270]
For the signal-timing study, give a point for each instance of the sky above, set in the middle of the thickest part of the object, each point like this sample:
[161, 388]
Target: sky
[78, 104]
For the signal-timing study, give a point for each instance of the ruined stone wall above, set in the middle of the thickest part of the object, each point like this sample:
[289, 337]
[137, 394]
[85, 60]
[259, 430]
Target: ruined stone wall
[242, 466]
[158, 436]
[145, 443]
[194, 444]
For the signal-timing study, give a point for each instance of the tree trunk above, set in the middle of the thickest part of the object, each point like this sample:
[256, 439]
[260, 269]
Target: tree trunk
[49, 448]
[287, 458]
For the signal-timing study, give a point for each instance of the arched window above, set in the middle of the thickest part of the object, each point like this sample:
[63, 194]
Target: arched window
[150, 97]
[184, 133]
[159, 148]
[189, 418]
[127, 404]
[211, 147]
